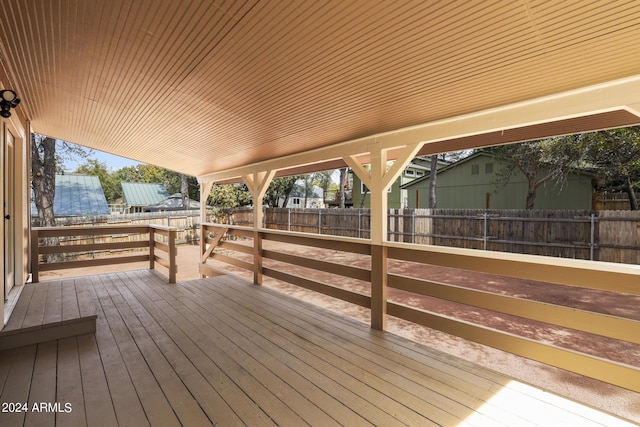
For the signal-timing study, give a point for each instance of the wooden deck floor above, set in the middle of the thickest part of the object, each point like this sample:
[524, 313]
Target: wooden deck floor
[222, 351]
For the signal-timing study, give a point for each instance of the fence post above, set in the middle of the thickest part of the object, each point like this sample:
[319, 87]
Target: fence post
[289, 219]
[359, 223]
[319, 221]
[485, 230]
[35, 259]
[593, 236]
[413, 226]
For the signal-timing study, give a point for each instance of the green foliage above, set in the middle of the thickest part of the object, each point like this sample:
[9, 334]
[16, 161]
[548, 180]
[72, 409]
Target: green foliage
[540, 161]
[280, 188]
[229, 195]
[616, 154]
[111, 188]
[323, 180]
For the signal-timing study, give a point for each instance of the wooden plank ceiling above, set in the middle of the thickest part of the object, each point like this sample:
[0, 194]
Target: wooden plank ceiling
[203, 86]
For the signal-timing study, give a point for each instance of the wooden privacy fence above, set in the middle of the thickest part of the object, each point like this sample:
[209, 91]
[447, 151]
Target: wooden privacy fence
[251, 251]
[49, 250]
[611, 236]
[186, 223]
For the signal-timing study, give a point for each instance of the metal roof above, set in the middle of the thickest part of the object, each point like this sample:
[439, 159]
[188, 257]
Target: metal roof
[206, 86]
[77, 195]
[173, 202]
[143, 193]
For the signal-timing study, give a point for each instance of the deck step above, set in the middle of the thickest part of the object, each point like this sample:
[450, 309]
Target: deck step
[15, 338]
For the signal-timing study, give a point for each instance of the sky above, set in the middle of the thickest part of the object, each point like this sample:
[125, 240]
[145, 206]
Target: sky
[113, 162]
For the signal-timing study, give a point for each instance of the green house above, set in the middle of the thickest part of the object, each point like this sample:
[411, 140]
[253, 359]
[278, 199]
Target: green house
[398, 196]
[471, 184]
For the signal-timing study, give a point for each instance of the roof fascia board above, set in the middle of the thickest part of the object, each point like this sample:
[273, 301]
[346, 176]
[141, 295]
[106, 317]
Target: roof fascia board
[603, 97]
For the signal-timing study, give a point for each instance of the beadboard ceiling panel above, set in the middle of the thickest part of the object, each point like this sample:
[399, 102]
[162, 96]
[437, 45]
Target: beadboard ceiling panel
[204, 86]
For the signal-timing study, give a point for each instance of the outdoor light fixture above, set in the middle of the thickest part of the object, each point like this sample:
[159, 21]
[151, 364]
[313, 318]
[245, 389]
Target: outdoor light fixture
[8, 100]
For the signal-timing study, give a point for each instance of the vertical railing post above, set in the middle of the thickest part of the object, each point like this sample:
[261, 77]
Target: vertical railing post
[257, 257]
[379, 287]
[173, 268]
[203, 245]
[35, 259]
[152, 248]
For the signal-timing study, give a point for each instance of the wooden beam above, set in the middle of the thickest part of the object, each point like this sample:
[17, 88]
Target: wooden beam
[608, 96]
[258, 182]
[205, 189]
[359, 170]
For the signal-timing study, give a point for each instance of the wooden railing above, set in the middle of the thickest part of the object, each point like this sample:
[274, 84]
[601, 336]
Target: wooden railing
[105, 241]
[623, 279]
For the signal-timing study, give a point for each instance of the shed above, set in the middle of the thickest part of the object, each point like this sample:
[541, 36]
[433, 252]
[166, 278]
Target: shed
[77, 195]
[137, 196]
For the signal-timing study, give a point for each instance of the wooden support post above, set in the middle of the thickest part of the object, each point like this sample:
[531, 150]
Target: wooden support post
[152, 248]
[258, 182]
[379, 179]
[379, 287]
[205, 189]
[203, 244]
[173, 250]
[257, 257]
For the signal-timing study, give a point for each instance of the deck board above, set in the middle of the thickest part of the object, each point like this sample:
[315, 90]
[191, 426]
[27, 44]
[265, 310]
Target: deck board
[221, 351]
[44, 374]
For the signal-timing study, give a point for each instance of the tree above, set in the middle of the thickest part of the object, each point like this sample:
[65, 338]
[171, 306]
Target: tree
[184, 191]
[540, 161]
[280, 188]
[616, 154]
[112, 190]
[433, 176]
[343, 186]
[324, 181]
[43, 177]
[228, 196]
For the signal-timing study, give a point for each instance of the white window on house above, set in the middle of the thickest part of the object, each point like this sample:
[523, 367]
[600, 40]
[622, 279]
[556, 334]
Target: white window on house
[409, 172]
[475, 169]
[419, 173]
[296, 201]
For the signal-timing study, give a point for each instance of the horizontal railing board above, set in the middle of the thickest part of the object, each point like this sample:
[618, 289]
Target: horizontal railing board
[334, 243]
[92, 247]
[232, 229]
[162, 246]
[93, 262]
[329, 267]
[232, 261]
[609, 371]
[332, 291]
[91, 231]
[235, 247]
[581, 320]
[580, 273]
